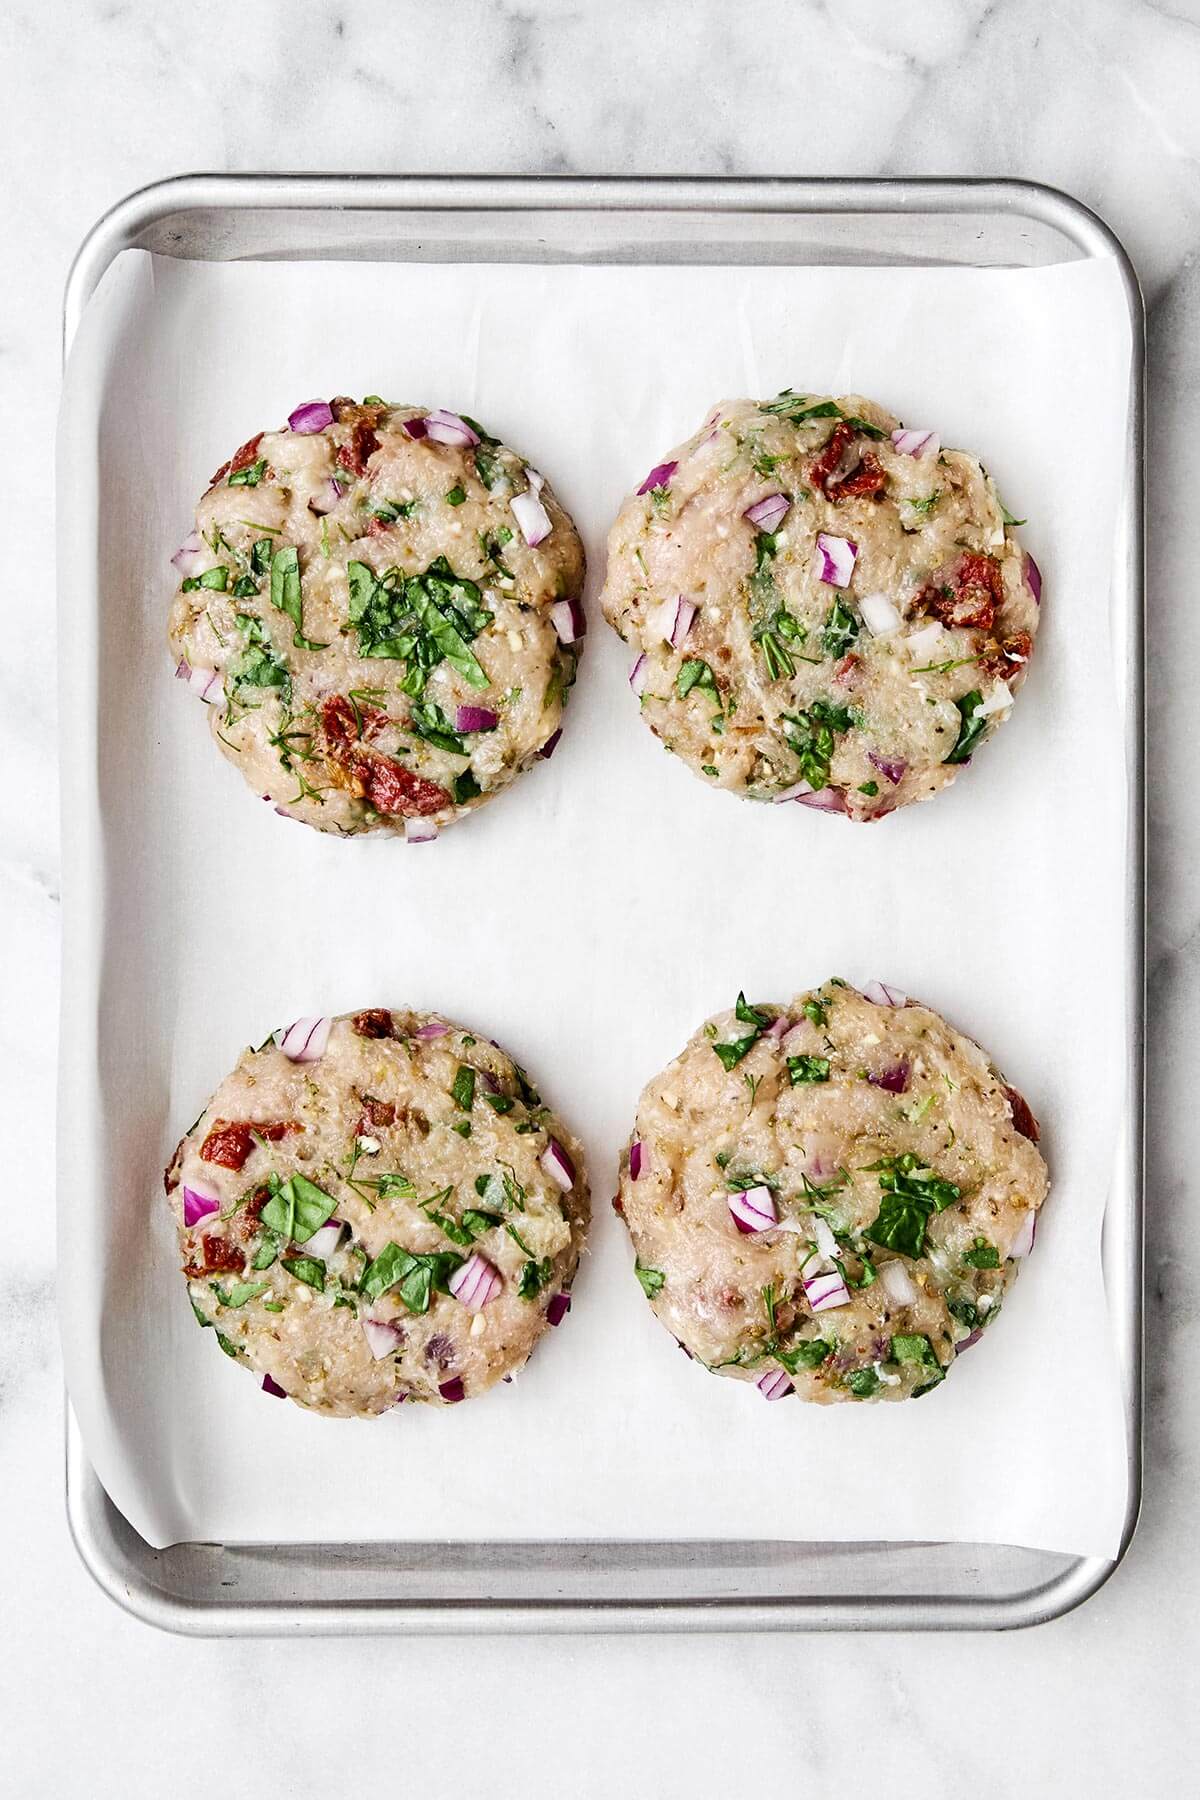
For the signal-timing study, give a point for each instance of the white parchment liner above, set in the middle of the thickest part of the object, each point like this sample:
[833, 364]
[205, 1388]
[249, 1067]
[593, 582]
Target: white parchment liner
[594, 915]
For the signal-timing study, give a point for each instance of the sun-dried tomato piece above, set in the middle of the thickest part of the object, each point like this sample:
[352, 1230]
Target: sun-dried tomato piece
[1022, 1115]
[218, 1254]
[840, 475]
[1002, 660]
[346, 721]
[393, 789]
[966, 593]
[868, 479]
[363, 444]
[241, 459]
[376, 1115]
[375, 1022]
[844, 673]
[230, 1142]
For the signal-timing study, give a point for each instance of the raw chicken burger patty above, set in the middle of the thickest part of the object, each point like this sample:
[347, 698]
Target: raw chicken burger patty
[825, 607]
[378, 1208]
[831, 1198]
[380, 606]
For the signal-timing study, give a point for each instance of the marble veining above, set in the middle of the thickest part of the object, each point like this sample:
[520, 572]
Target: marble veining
[1096, 96]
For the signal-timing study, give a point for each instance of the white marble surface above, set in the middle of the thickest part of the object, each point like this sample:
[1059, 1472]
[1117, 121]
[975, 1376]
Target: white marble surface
[1097, 96]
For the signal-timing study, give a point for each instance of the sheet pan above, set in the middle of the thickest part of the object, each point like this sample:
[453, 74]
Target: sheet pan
[736, 225]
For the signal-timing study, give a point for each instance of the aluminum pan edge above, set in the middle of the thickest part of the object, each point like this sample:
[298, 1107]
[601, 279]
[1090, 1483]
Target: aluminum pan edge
[142, 220]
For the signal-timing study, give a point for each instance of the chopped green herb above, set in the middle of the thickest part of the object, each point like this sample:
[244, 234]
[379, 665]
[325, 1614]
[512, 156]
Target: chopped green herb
[709, 769]
[297, 1207]
[869, 788]
[249, 477]
[215, 579]
[971, 727]
[466, 787]
[982, 1255]
[228, 1346]
[912, 1349]
[240, 1292]
[732, 1053]
[260, 556]
[912, 1194]
[416, 1276]
[811, 736]
[696, 674]
[652, 1280]
[841, 629]
[1008, 518]
[863, 1383]
[795, 407]
[499, 1103]
[428, 721]
[814, 1010]
[463, 1090]
[420, 620]
[309, 1269]
[806, 1069]
[456, 496]
[286, 596]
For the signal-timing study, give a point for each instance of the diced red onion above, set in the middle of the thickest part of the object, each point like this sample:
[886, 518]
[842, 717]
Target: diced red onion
[658, 477]
[922, 645]
[769, 513]
[198, 1205]
[826, 1242]
[836, 557]
[894, 1080]
[416, 427]
[778, 1028]
[882, 995]
[754, 1209]
[826, 1290]
[190, 554]
[1033, 576]
[898, 1284]
[475, 1283]
[325, 1239]
[1022, 1243]
[447, 428]
[382, 1336]
[638, 676]
[205, 682]
[891, 767]
[535, 522]
[569, 620]
[475, 718]
[965, 1343]
[880, 615]
[558, 1307]
[558, 1165]
[551, 745]
[774, 1385]
[436, 1028]
[923, 444]
[419, 831]
[305, 1041]
[326, 496]
[685, 618]
[537, 482]
[635, 1159]
[314, 415]
[452, 1390]
[821, 800]
[272, 1387]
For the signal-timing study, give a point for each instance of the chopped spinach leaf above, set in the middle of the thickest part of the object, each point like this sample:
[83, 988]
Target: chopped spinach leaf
[696, 674]
[804, 1069]
[217, 580]
[912, 1349]
[240, 1292]
[297, 1207]
[982, 1255]
[309, 1269]
[286, 595]
[863, 1383]
[652, 1280]
[971, 727]
[250, 476]
[841, 629]
[463, 1090]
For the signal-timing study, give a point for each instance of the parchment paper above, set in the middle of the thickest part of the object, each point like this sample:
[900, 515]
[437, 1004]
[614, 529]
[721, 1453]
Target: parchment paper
[595, 914]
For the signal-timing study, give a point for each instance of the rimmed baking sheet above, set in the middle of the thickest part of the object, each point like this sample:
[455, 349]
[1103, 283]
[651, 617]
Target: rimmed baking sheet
[630, 901]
